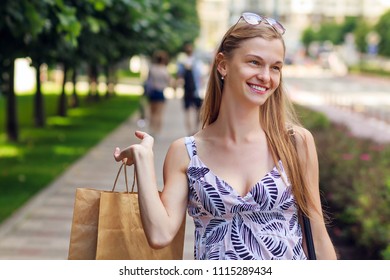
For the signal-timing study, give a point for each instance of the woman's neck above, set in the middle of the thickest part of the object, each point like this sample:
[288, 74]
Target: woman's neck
[238, 123]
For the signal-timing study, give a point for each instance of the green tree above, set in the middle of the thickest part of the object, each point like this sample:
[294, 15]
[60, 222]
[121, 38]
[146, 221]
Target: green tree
[361, 31]
[349, 25]
[60, 34]
[97, 33]
[330, 31]
[383, 29]
[308, 36]
[21, 21]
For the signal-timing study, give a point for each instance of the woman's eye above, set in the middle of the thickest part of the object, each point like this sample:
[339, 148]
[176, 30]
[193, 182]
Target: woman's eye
[254, 62]
[276, 68]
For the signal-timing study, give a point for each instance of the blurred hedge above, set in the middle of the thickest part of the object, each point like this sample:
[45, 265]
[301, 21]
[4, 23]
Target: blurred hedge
[355, 182]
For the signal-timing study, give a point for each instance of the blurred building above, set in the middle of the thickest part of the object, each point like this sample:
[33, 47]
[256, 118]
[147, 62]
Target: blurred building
[214, 16]
[217, 15]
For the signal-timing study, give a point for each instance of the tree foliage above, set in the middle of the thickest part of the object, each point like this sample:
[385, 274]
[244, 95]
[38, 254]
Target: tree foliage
[383, 29]
[361, 31]
[330, 31]
[98, 33]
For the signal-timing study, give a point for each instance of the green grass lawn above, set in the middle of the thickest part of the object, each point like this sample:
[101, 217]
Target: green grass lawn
[44, 153]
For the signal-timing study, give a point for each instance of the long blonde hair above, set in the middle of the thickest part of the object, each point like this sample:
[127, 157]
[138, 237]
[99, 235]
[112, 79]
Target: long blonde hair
[276, 115]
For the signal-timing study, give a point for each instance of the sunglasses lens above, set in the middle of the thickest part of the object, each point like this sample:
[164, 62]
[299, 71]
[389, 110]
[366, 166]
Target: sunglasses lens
[251, 18]
[275, 24]
[254, 19]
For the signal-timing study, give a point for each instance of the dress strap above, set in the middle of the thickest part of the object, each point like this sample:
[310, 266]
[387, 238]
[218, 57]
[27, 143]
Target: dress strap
[190, 145]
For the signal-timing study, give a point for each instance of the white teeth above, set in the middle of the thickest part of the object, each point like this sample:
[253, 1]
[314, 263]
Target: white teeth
[258, 88]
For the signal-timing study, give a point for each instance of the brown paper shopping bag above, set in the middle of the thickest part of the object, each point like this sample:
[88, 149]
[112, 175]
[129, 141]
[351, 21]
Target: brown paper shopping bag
[107, 225]
[83, 235]
[120, 231]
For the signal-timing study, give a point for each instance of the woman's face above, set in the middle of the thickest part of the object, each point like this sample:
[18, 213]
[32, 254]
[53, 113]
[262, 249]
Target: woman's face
[254, 70]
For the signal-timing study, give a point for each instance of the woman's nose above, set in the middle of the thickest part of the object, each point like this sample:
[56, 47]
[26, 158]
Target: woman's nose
[264, 74]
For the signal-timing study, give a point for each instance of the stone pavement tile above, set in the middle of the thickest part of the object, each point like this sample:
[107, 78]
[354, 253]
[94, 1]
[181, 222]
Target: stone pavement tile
[39, 226]
[31, 254]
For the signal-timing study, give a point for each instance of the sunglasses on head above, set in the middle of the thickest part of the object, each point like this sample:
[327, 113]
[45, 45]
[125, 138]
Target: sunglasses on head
[255, 19]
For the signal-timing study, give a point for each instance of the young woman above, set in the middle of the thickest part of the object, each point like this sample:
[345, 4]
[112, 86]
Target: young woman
[189, 73]
[245, 177]
[158, 80]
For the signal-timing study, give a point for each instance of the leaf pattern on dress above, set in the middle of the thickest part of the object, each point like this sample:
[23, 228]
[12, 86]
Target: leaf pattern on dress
[275, 226]
[211, 200]
[287, 199]
[243, 207]
[194, 203]
[275, 173]
[243, 240]
[215, 231]
[193, 147]
[265, 193]
[213, 253]
[293, 223]
[197, 240]
[197, 172]
[276, 247]
[298, 251]
[231, 255]
[222, 187]
[269, 222]
[198, 224]
[265, 218]
[256, 226]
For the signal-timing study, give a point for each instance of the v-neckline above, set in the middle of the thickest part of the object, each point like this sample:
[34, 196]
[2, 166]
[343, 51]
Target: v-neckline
[224, 181]
[231, 187]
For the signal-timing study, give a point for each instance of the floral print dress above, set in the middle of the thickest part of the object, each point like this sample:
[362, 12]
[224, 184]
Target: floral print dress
[262, 225]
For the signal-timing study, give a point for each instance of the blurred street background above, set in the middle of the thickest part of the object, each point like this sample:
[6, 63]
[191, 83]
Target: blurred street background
[72, 79]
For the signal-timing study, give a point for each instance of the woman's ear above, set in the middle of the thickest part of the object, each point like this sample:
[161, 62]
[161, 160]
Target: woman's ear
[221, 64]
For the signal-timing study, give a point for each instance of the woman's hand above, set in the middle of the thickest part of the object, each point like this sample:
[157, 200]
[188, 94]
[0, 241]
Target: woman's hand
[129, 154]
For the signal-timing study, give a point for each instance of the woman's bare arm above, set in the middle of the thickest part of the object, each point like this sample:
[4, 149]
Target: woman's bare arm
[161, 214]
[308, 156]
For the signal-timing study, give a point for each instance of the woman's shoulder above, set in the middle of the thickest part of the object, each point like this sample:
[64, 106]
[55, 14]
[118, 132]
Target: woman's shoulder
[178, 147]
[301, 133]
[177, 155]
[178, 143]
[304, 139]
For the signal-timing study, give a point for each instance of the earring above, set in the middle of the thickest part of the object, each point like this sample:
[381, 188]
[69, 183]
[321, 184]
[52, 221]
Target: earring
[222, 77]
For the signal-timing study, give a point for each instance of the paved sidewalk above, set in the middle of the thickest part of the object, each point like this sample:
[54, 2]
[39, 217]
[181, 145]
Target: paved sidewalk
[358, 124]
[41, 229]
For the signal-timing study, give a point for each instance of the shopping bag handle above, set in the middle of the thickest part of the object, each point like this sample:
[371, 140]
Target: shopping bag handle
[117, 176]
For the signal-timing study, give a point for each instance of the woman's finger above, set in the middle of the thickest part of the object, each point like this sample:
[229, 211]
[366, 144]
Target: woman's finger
[117, 154]
[147, 140]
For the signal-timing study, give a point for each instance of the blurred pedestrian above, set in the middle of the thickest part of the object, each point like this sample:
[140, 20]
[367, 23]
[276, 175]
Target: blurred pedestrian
[252, 169]
[189, 73]
[158, 80]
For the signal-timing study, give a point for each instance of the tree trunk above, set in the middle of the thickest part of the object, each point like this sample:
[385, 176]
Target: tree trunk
[75, 98]
[39, 109]
[62, 105]
[108, 81]
[93, 83]
[9, 91]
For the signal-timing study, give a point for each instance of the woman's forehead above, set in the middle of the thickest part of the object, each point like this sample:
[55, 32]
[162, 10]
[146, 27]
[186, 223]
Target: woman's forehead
[264, 48]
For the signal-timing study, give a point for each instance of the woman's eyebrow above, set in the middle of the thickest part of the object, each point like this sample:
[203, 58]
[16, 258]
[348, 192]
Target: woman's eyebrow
[262, 59]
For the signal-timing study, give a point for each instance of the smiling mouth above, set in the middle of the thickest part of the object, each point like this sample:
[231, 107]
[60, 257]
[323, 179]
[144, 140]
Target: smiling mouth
[257, 88]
